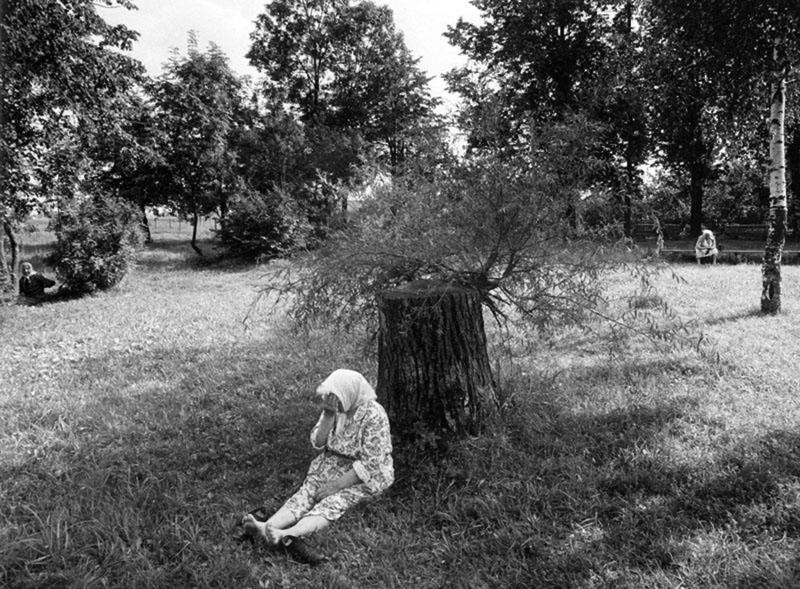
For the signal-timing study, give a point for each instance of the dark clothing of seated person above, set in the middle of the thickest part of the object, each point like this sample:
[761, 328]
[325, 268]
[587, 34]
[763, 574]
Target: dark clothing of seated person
[32, 285]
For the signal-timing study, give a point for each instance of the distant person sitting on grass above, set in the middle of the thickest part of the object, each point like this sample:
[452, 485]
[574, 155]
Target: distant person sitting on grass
[32, 285]
[355, 464]
[706, 248]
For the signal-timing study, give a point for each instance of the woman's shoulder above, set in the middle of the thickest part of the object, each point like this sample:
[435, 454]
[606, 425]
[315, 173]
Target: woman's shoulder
[371, 409]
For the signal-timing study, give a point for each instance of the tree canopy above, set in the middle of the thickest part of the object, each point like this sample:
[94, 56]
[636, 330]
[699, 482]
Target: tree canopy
[344, 66]
[64, 69]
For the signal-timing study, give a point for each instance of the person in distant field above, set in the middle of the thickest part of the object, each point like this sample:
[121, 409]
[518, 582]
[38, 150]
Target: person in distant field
[705, 250]
[32, 285]
[354, 464]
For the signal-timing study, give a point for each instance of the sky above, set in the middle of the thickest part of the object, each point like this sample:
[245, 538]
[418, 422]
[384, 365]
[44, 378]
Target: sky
[164, 24]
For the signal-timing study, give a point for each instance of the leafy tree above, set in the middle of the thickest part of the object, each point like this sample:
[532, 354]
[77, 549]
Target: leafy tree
[62, 69]
[263, 225]
[129, 159]
[619, 101]
[96, 242]
[377, 87]
[490, 230]
[540, 61]
[293, 46]
[687, 121]
[728, 52]
[343, 67]
[543, 54]
[198, 106]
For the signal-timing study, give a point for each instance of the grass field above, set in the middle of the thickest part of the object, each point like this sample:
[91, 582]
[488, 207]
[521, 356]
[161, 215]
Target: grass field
[137, 426]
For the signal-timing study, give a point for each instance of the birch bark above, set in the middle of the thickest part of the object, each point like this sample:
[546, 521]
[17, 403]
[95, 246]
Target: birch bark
[776, 228]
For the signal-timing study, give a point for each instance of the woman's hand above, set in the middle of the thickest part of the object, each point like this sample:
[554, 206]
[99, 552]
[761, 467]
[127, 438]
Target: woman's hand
[330, 404]
[326, 490]
[348, 479]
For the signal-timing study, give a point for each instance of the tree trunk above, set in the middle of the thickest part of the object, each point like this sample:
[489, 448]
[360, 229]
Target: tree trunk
[433, 366]
[12, 240]
[696, 200]
[6, 280]
[793, 187]
[627, 200]
[195, 220]
[776, 229]
[148, 235]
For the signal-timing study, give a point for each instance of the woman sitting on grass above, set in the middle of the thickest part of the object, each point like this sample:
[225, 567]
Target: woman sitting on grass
[32, 285]
[355, 464]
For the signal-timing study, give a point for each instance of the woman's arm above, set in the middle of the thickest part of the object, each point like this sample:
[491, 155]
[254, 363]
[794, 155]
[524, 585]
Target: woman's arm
[348, 479]
[321, 431]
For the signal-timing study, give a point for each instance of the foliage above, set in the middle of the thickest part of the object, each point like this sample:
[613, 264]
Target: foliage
[509, 227]
[263, 226]
[97, 243]
[543, 54]
[62, 69]
[345, 67]
[710, 64]
[544, 61]
[130, 155]
[738, 195]
[198, 107]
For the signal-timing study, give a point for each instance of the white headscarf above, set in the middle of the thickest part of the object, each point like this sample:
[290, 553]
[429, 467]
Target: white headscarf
[351, 388]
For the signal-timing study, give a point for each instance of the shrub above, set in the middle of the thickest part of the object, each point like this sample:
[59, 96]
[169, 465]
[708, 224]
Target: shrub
[263, 225]
[97, 239]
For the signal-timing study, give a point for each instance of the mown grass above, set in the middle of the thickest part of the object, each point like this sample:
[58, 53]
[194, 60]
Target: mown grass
[137, 425]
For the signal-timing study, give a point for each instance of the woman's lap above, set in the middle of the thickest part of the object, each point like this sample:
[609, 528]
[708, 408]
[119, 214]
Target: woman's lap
[332, 507]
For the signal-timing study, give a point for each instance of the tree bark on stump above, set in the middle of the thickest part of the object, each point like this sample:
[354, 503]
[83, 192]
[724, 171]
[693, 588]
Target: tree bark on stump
[433, 365]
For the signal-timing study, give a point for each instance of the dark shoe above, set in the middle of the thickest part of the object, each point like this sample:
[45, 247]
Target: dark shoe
[302, 551]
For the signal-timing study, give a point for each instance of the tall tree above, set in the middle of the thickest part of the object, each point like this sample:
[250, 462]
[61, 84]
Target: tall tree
[544, 54]
[732, 52]
[130, 162]
[620, 102]
[543, 61]
[344, 66]
[293, 46]
[198, 104]
[62, 67]
[686, 115]
[377, 86]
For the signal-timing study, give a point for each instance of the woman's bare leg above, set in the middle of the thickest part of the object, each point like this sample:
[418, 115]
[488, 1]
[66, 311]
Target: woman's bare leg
[280, 525]
[305, 527]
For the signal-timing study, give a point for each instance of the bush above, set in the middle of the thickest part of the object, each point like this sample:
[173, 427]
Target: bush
[97, 241]
[263, 225]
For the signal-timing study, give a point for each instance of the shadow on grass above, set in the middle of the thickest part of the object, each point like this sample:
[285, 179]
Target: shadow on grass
[646, 510]
[157, 469]
[163, 255]
[559, 499]
[733, 318]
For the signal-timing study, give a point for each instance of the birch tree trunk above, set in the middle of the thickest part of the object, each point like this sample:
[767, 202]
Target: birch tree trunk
[776, 229]
[433, 365]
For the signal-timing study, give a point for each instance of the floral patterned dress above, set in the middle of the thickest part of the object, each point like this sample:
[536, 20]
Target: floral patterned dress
[363, 444]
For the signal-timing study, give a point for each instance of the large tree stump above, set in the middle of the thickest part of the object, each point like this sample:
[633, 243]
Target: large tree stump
[433, 366]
